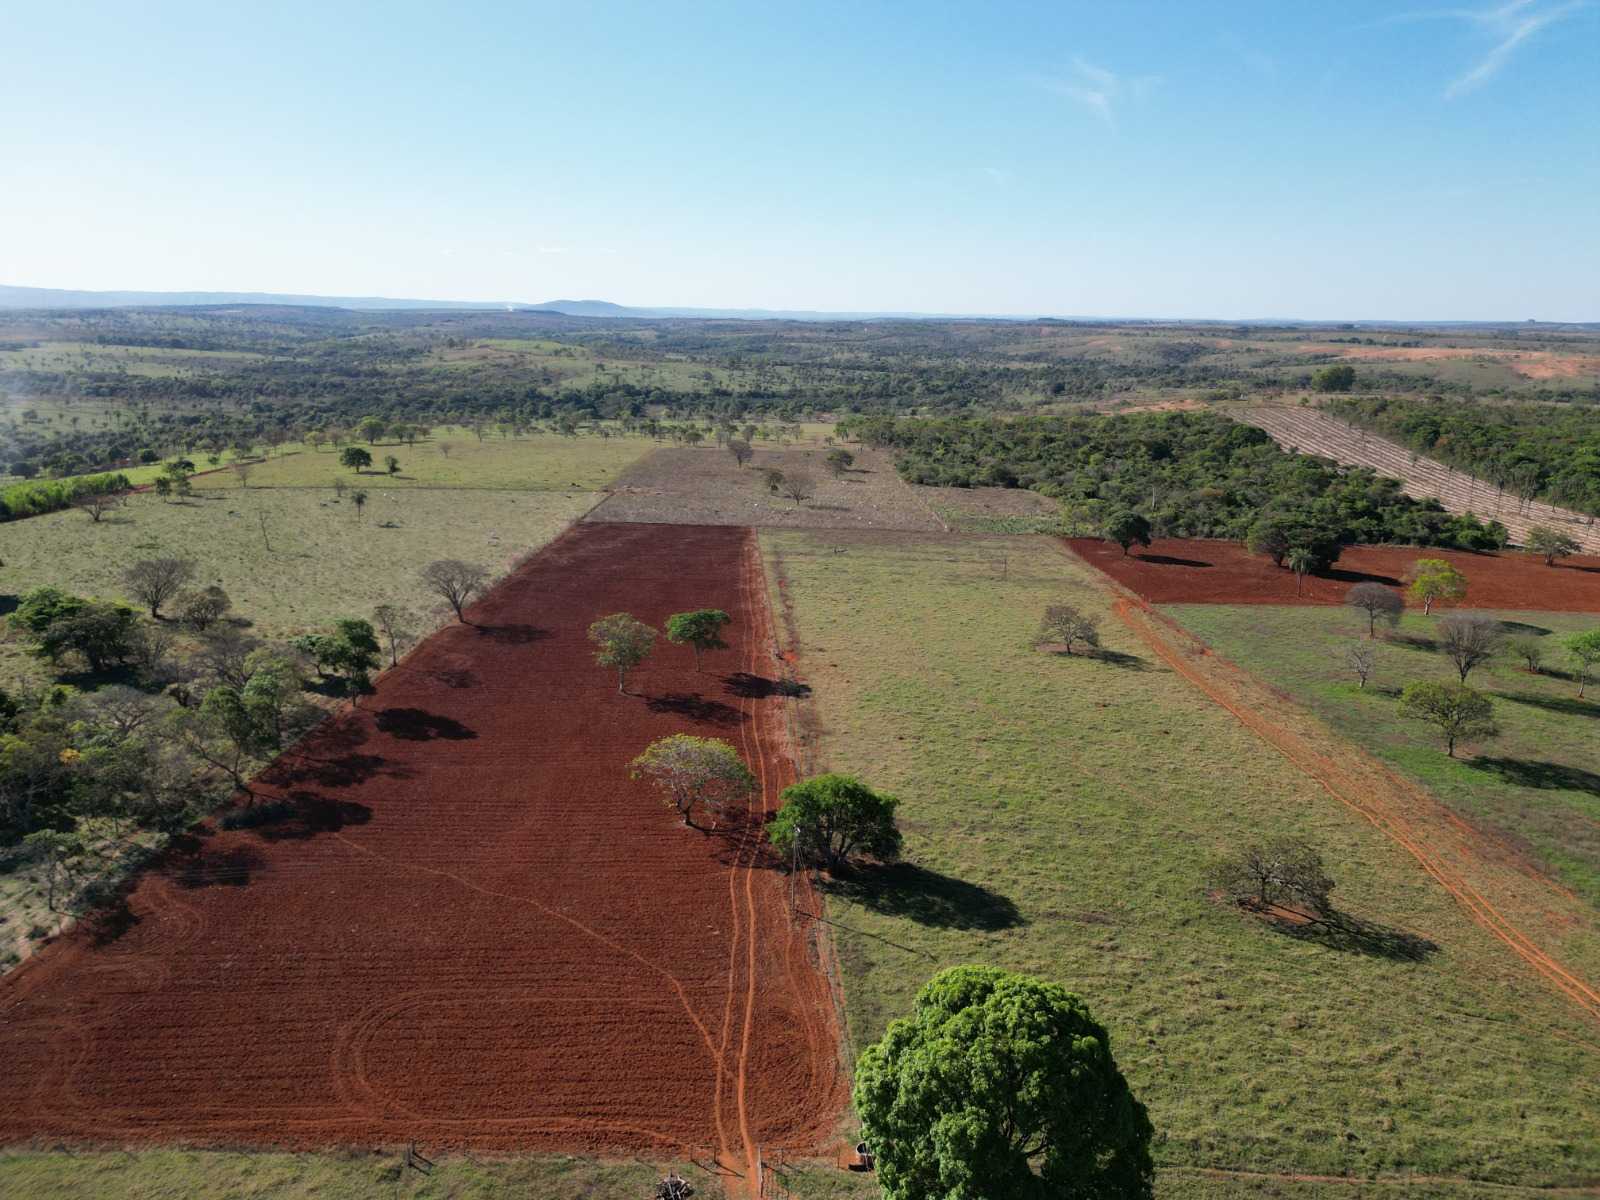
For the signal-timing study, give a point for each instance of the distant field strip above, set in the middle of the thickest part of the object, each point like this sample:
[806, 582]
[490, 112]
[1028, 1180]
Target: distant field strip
[1313, 432]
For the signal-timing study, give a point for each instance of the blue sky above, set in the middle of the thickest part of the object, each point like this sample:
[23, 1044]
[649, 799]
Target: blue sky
[1151, 159]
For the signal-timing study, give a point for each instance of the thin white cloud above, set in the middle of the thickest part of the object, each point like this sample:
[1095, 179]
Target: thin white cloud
[1099, 90]
[1508, 25]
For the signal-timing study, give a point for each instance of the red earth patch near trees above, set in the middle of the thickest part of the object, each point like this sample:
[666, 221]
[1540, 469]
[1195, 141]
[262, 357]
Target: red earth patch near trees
[1194, 571]
[475, 930]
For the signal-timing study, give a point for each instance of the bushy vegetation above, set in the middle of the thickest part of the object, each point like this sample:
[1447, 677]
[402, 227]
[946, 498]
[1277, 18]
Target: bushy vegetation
[1189, 474]
[1530, 450]
[48, 495]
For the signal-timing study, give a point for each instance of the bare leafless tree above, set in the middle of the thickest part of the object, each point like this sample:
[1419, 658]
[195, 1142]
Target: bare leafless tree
[98, 504]
[241, 471]
[1469, 640]
[1361, 659]
[1064, 625]
[397, 625]
[455, 581]
[799, 486]
[154, 581]
[1378, 602]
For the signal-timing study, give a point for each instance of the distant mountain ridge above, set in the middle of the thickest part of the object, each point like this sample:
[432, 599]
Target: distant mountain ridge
[62, 298]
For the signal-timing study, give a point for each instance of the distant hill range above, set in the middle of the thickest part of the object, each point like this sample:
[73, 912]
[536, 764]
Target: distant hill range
[61, 298]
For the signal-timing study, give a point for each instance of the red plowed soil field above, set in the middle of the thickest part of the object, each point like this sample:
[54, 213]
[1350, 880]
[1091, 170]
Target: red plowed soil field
[476, 930]
[1177, 571]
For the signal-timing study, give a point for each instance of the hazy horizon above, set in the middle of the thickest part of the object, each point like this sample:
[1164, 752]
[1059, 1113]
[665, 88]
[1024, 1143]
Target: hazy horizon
[1209, 161]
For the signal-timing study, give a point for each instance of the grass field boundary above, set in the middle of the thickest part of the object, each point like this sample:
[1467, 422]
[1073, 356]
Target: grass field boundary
[1407, 814]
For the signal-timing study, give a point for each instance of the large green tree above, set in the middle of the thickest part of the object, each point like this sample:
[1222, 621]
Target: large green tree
[1001, 1086]
[695, 772]
[827, 819]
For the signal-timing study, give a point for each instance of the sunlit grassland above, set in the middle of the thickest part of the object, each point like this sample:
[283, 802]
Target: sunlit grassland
[1538, 782]
[314, 562]
[1089, 796]
[234, 1175]
[454, 458]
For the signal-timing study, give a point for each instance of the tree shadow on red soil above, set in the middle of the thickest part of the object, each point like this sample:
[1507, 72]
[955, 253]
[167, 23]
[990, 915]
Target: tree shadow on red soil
[1166, 560]
[756, 687]
[106, 925]
[455, 678]
[230, 866]
[695, 707]
[926, 897]
[418, 725]
[513, 635]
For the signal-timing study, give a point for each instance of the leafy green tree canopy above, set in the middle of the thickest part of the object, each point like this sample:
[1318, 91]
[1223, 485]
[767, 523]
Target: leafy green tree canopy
[355, 458]
[701, 629]
[1551, 543]
[695, 772]
[1455, 710]
[1434, 580]
[1126, 527]
[622, 642]
[1001, 1086]
[827, 819]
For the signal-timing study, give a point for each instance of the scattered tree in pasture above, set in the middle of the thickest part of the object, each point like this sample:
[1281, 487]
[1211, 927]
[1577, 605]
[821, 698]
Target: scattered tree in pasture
[622, 642]
[98, 504]
[1551, 543]
[370, 429]
[827, 820]
[701, 629]
[355, 458]
[1378, 602]
[444, 448]
[1455, 710]
[695, 772]
[1283, 873]
[1126, 528]
[1361, 658]
[1066, 626]
[455, 582]
[241, 472]
[742, 451]
[154, 581]
[798, 486]
[339, 489]
[1000, 1085]
[202, 608]
[397, 625]
[1434, 580]
[359, 499]
[183, 488]
[391, 464]
[1530, 649]
[1469, 640]
[839, 461]
[1584, 649]
[163, 487]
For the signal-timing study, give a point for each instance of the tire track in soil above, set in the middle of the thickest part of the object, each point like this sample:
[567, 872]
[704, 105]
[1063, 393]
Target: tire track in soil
[1364, 797]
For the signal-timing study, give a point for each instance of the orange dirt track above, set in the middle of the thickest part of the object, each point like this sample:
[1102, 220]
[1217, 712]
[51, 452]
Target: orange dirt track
[476, 931]
[1196, 571]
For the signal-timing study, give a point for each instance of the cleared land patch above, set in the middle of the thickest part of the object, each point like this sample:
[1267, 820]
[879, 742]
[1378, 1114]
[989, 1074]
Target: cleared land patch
[707, 487]
[1060, 814]
[472, 928]
[1198, 571]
